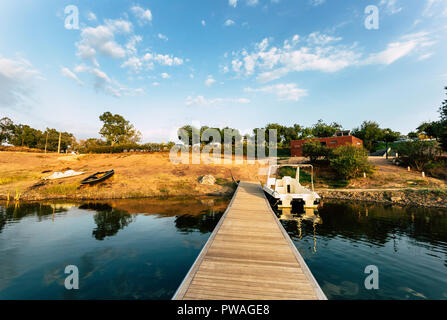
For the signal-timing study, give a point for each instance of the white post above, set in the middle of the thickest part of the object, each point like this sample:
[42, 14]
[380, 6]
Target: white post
[409, 169]
[423, 174]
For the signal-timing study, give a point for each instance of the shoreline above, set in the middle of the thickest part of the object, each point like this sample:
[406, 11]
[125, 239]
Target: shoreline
[424, 198]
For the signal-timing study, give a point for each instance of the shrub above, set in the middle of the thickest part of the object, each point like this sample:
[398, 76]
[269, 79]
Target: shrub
[120, 148]
[418, 154]
[315, 150]
[350, 162]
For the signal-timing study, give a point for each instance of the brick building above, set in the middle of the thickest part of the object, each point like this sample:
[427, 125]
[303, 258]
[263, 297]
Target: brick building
[296, 146]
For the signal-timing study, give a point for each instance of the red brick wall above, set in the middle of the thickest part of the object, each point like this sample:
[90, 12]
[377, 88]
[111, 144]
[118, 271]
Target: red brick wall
[296, 146]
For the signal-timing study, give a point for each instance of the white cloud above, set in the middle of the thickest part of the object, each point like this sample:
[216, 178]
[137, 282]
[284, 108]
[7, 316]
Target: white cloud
[284, 92]
[203, 23]
[164, 60]
[318, 52]
[232, 3]
[162, 37]
[101, 39]
[252, 2]
[101, 78]
[390, 6]
[155, 84]
[143, 15]
[317, 2]
[228, 23]
[16, 80]
[119, 26]
[133, 63]
[131, 45]
[91, 16]
[103, 83]
[435, 8]
[164, 75]
[399, 49]
[203, 102]
[209, 81]
[69, 74]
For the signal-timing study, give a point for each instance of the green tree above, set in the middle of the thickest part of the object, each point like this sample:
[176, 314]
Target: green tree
[117, 130]
[413, 135]
[67, 140]
[431, 129]
[290, 133]
[279, 132]
[370, 133]
[418, 154]
[350, 162]
[443, 124]
[389, 136]
[6, 129]
[323, 130]
[314, 150]
[25, 136]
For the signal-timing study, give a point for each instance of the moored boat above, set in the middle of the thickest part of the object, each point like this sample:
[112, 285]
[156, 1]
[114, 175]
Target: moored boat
[286, 189]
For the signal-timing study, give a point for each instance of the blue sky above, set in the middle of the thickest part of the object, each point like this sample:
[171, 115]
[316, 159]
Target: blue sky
[245, 63]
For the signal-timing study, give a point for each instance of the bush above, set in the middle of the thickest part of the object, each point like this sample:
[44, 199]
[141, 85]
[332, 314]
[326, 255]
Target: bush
[418, 154]
[120, 148]
[350, 162]
[315, 150]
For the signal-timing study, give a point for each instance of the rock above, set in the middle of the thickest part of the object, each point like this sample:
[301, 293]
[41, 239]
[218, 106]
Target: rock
[207, 180]
[396, 199]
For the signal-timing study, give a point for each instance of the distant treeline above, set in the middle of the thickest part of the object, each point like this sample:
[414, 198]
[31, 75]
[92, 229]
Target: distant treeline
[21, 135]
[369, 131]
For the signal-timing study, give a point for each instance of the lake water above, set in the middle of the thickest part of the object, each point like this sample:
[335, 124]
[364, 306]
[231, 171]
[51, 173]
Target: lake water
[407, 245]
[135, 249]
[142, 249]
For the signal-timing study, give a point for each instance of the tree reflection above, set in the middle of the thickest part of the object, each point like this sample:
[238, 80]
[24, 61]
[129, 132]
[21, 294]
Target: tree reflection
[16, 211]
[204, 222]
[108, 220]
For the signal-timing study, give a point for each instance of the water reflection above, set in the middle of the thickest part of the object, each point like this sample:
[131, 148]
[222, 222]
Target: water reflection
[290, 216]
[108, 220]
[409, 245]
[124, 249]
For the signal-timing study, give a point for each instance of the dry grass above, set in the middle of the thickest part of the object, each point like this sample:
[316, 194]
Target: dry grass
[153, 175]
[136, 175]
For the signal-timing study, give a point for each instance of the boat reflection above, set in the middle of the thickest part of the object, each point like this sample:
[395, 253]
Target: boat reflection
[299, 216]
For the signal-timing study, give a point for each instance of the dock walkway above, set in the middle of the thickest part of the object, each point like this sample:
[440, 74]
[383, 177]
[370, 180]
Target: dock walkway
[249, 256]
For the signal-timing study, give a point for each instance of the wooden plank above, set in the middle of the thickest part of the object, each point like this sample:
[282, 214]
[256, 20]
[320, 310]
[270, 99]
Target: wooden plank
[249, 255]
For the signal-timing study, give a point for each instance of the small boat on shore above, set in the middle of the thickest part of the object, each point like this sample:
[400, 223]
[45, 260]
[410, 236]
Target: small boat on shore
[98, 177]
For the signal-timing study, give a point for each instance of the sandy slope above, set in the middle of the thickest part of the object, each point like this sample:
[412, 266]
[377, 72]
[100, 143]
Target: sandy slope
[137, 175]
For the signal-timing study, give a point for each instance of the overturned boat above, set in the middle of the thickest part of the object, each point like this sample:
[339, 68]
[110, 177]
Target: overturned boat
[284, 190]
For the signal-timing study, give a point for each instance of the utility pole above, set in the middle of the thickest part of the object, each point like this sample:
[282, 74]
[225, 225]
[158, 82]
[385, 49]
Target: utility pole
[59, 144]
[46, 142]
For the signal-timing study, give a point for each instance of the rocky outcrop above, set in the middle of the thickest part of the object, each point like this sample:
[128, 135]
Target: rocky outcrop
[413, 197]
[207, 180]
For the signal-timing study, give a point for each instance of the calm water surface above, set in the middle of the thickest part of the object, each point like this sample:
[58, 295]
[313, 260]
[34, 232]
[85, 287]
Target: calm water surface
[142, 249]
[408, 245]
[123, 249]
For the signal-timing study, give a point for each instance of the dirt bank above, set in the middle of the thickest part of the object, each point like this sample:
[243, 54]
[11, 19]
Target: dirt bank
[136, 176]
[436, 198]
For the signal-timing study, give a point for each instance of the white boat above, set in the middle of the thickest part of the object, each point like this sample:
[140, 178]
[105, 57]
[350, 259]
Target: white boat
[285, 190]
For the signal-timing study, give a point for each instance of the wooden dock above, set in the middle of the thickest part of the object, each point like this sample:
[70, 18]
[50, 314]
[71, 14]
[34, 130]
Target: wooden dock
[249, 256]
